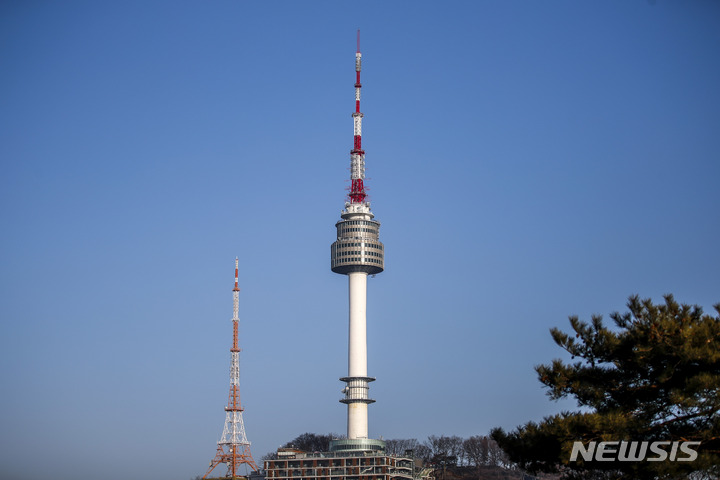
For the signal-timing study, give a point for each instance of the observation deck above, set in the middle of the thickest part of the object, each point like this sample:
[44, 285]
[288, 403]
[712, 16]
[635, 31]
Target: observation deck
[358, 247]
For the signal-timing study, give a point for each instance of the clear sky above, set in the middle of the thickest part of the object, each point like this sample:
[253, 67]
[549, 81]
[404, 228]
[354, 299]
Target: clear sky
[528, 161]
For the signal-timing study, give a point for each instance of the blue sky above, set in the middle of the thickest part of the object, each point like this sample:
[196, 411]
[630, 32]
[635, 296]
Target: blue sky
[527, 160]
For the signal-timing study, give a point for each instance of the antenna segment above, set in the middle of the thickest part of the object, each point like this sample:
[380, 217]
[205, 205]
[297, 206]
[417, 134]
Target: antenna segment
[357, 154]
[233, 449]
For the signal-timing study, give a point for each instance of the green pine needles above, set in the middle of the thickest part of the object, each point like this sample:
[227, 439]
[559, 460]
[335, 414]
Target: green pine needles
[653, 377]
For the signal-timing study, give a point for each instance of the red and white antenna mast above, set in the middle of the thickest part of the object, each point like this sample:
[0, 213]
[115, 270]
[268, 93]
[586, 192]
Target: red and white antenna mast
[357, 154]
[233, 449]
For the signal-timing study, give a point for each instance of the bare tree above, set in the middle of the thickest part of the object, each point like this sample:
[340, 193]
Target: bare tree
[269, 456]
[446, 450]
[311, 442]
[399, 446]
[496, 456]
[455, 448]
[423, 451]
[476, 451]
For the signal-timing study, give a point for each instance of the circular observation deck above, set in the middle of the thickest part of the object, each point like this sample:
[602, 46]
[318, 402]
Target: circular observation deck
[357, 248]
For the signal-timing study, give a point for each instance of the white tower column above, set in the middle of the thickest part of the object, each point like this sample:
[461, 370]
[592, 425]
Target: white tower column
[357, 420]
[357, 341]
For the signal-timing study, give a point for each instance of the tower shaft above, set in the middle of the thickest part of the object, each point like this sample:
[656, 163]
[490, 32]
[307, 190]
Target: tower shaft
[357, 387]
[357, 338]
[233, 449]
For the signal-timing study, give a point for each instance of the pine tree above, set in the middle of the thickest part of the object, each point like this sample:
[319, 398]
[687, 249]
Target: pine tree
[654, 377]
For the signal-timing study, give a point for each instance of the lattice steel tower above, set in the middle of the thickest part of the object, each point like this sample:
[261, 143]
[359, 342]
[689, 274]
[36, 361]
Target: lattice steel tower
[233, 448]
[357, 253]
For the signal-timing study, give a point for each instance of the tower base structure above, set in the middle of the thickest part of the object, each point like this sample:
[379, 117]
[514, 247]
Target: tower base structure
[364, 445]
[234, 456]
[349, 459]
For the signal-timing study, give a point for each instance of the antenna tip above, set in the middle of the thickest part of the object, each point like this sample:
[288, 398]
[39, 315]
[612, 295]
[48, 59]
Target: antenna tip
[358, 41]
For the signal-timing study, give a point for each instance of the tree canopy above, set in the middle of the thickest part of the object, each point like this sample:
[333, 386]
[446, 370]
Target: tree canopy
[655, 376]
[311, 442]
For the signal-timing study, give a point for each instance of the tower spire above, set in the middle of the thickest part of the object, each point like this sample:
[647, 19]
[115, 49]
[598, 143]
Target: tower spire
[233, 449]
[357, 154]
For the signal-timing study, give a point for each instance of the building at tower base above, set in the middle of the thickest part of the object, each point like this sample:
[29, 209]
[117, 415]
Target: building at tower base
[343, 464]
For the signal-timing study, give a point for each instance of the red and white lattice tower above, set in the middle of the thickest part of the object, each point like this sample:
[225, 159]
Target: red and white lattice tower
[233, 449]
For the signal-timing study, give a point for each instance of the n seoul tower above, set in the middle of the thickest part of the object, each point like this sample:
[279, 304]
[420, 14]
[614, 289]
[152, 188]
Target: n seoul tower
[357, 253]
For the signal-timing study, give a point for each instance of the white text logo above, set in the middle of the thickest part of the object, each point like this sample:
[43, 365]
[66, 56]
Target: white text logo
[621, 451]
